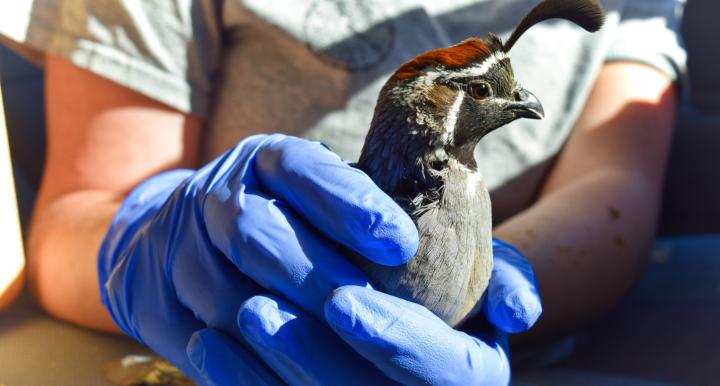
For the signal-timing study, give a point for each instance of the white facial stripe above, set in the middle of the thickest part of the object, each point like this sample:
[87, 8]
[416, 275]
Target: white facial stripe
[452, 114]
[428, 78]
[474, 71]
[483, 67]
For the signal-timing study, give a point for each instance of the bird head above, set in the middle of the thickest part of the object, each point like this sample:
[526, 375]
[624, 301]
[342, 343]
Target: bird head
[458, 94]
[442, 102]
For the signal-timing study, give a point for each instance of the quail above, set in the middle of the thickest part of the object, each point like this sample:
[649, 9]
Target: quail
[429, 116]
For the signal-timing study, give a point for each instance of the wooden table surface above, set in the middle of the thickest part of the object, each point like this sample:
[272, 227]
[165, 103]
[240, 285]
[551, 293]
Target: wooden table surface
[36, 349]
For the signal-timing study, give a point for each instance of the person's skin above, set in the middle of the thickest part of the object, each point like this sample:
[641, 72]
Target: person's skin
[103, 140]
[589, 232]
[101, 148]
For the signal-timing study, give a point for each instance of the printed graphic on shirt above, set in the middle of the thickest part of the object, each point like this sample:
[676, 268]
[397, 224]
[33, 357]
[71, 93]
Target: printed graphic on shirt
[326, 19]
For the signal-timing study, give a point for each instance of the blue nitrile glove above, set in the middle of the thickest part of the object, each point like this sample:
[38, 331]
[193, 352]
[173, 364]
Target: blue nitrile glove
[187, 248]
[405, 341]
[512, 302]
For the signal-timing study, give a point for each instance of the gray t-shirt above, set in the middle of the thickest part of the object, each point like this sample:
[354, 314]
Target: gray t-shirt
[314, 68]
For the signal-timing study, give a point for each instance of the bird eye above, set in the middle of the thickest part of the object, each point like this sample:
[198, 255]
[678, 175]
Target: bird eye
[480, 91]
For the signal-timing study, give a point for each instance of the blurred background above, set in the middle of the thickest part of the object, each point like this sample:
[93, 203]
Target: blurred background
[689, 209]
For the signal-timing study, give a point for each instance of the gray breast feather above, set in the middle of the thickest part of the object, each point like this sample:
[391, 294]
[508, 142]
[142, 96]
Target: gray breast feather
[451, 269]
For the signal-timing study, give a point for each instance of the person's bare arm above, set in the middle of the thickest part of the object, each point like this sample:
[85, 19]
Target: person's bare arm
[103, 140]
[588, 234]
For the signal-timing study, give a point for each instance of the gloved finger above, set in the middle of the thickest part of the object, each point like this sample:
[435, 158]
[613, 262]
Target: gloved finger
[512, 301]
[149, 310]
[132, 272]
[410, 344]
[268, 242]
[202, 279]
[300, 349]
[342, 202]
[210, 285]
[150, 195]
[220, 360]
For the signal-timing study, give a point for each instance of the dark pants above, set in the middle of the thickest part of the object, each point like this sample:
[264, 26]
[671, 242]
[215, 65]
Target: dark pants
[665, 330]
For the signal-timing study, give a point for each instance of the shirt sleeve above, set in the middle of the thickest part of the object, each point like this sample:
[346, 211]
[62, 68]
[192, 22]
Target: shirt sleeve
[167, 50]
[649, 32]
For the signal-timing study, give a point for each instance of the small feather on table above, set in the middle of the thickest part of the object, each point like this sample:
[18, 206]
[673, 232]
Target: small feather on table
[141, 370]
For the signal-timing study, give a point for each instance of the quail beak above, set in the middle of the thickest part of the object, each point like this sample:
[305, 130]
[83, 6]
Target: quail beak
[526, 105]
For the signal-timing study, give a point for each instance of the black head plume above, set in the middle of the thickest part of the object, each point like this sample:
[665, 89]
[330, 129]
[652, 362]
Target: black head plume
[588, 14]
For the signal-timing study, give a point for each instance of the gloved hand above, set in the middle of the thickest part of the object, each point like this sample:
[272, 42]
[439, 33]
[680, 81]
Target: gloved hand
[404, 341]
[187, 248]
